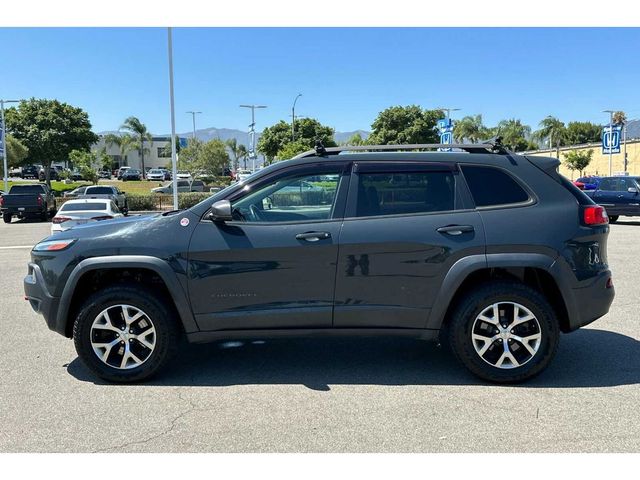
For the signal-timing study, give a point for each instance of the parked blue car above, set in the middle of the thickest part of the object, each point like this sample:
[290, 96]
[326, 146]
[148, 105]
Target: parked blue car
[587, 183]
[618, 195]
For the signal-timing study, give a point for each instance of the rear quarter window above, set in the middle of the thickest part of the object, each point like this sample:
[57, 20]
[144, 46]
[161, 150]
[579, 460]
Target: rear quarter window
[492, 186]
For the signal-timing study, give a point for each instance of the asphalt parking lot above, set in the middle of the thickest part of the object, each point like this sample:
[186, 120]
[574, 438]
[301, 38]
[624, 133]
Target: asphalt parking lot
[320, 395]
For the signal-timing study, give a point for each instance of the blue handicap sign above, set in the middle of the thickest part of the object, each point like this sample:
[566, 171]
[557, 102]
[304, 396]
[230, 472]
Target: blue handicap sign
[611, 139]
[446, 138]
[443, 124]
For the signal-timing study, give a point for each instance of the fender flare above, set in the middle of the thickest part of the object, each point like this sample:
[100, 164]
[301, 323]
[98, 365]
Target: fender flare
[157, 265]
[461, 269]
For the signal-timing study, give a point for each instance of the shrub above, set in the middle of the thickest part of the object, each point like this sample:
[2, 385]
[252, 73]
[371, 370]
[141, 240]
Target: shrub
[188, 200]
[141, 202]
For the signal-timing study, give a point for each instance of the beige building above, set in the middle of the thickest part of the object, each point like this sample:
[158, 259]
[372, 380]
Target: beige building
[600, 162]
[157, 156]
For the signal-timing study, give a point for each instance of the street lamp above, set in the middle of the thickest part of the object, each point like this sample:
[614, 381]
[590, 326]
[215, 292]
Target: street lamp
[193, 117]
[3, 138]
[448, 110]
[252, 132]
[293, 118]
[610, 112]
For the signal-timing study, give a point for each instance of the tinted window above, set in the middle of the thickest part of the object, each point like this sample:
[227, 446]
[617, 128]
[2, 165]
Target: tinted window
[81, 207]
[24, 189]
[492, 186]
[99, 191]
[401, 193]
[292, 198]
[608, 184]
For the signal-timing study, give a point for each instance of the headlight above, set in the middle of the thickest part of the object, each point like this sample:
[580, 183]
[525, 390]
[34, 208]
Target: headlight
[54, 245]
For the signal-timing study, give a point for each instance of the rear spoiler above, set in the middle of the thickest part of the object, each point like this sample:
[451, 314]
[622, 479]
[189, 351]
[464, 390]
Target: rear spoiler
[548, 165]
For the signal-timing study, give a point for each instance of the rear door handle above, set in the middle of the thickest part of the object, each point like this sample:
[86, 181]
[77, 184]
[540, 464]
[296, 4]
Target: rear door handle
[313, 236]
[455, 229]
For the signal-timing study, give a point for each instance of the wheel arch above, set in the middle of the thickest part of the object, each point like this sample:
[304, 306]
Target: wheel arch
[536, 270]
[72, 294]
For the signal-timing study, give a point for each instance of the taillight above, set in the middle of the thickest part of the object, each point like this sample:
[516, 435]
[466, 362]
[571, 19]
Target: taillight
[59, 219]
[39, 201]
[595, 215]
[1, 201]
[104, 217]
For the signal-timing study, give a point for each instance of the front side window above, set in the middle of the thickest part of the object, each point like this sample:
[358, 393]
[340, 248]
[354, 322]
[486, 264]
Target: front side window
[397, 193]
[301, 197]
[492, 186]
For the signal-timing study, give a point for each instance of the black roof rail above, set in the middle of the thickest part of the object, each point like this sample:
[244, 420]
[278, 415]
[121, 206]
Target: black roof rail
[490, 146]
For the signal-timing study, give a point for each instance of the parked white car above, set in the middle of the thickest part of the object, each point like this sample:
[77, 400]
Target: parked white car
[183, 175]
[242, 175]
[79, 212]
[155, 174]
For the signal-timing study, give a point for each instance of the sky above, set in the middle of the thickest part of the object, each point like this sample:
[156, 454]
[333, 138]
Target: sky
[346, 76]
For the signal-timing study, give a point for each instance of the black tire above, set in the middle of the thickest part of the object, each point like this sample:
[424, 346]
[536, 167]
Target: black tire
[44, 216]
[157, 311]
[6, 217]
[478, 300]
[613, 218]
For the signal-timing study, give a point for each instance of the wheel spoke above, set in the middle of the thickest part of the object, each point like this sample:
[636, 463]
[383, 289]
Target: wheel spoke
[107, 348]
[524, 341]
[487, 342]
[142, 338]
[517, 319]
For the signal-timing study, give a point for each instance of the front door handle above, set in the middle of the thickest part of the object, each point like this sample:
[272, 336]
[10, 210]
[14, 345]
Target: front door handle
[313, 236]
[455, 229]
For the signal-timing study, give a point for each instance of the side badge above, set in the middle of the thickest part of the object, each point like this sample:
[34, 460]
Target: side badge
[184, 221]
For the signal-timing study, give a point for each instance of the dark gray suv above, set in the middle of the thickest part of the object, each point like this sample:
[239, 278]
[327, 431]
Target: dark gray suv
[492, 253]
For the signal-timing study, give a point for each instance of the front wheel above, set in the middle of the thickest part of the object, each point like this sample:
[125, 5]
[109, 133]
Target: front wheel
[125, 333]
[504, 332]
[613, 218]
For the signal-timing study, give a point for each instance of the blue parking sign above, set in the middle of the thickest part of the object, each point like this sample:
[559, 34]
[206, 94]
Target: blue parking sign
[611, 139]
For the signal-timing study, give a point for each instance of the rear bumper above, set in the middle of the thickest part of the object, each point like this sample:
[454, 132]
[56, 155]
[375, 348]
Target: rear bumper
[591, 302]
[40, 299]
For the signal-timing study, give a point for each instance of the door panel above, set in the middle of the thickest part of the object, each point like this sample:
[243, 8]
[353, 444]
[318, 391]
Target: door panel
[260, 276]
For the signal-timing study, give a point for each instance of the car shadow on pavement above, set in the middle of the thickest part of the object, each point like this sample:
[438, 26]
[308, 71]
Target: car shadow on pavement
[627, 222]
[586, 358]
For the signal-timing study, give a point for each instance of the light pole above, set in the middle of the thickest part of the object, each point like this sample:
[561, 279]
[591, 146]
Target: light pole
[610, 112]
[448, 114]
[193, 118]
[3, 139]
[293, 118]
[252, 133]
[174, 163]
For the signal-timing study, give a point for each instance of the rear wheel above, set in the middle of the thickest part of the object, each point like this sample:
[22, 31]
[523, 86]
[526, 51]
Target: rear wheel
[504, 332]
[6, 217]
[125, 333]
[613, 218]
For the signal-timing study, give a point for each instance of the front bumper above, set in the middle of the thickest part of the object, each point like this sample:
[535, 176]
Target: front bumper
[41, 300]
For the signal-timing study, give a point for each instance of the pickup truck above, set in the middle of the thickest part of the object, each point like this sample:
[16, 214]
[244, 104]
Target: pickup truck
[109, 192]
[618, 195]
[22, 201]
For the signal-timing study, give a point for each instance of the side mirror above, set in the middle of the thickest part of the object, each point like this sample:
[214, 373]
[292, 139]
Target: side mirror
[632, 190]
[221, 211]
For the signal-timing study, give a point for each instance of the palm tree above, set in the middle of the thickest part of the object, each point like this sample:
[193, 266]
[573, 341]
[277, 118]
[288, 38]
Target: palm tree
[514, 134]
[134, 126]
[554, 130]
[125, 143]
[238, 151]
[619, 118]
[470, 128]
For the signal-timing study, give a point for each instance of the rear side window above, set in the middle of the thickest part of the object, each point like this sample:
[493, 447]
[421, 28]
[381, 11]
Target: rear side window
[99, 190]
[492, 186]
[404, 192]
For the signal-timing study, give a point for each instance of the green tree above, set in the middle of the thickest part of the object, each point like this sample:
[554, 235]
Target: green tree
[166, 150]
[291, 149]
[470, 128]
[356, 140]
[238, 151]
[17, 153]
[135, 127]
[86, 163]
[308, 131]
[125, 143]
[553, 129]
[582, 132]
[50, 130]
[405, 125]
[578, 160]
[208, 158]
[514, 134]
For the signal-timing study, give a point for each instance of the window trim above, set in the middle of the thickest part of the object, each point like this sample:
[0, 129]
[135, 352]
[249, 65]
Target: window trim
[533, 199]
[386, 166]
[337, 212]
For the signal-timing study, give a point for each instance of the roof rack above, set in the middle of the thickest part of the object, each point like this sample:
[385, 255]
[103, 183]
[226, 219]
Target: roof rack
[490, 146]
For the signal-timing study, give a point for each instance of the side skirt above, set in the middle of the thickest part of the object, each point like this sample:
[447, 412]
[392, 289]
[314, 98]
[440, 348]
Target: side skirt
[212, 336]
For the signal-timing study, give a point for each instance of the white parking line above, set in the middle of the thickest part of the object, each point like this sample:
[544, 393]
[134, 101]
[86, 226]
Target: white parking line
[16, 247]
